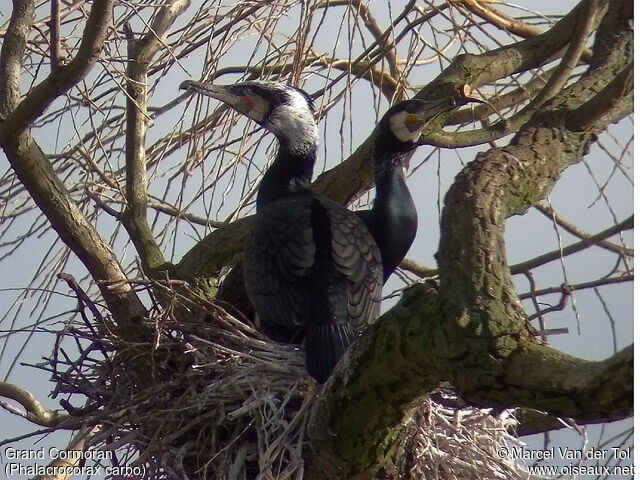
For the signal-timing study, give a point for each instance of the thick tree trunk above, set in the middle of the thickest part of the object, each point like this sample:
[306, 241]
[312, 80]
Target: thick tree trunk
[472, 332]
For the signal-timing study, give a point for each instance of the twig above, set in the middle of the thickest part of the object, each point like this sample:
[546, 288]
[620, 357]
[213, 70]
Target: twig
[362, 10]
[550, 213]
[54, 35]
[567, 292]
[578, 286]
[43, 431]
[612, 323]
[573, 248]
[103, 205]
[83, 298]
[417, 268]
[536, 305]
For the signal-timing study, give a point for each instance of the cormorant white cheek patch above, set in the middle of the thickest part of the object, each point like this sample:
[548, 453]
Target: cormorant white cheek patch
[293, 120]
[405, 127]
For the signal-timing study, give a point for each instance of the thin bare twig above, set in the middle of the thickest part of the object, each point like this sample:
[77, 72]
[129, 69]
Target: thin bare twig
[551, 213]
[587, 242]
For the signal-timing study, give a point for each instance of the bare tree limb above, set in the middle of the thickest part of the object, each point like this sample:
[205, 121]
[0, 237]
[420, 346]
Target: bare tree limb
[34, 411]
[602, 108]
[561, 74]
[478, 70]
[54, 35]
[578, 286]
[13, 47]
[486, 10]
[141, 53]
[550, 213]
[362, 10]
[35, 171]
[417, 268]
[61, 80]
[573, 248]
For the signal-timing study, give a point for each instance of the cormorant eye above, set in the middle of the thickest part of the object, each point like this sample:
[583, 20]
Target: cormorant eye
[246, 91]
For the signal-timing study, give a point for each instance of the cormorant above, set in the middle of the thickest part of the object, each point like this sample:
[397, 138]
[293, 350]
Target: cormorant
[311, 266]
[393, 220]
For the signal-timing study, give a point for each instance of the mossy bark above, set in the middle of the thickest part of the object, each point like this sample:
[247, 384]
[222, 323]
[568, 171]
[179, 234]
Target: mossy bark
[472, 332]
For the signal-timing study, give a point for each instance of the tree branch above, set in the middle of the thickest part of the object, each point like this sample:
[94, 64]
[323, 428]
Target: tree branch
[578, 286]
[573, 248]
[570, 59]
[498, 18]
[550, 213]
[473, 332]
[604, 107]
[34, 411]
[54, 35]
[64, 78]
[478, 70]
[13, 47]
[141, 54]
[382, 39]
[485, 68]
[35, 171]
[557, 383]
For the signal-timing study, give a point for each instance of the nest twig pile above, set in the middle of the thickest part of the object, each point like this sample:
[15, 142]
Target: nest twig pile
[220, 400]
[452, 443]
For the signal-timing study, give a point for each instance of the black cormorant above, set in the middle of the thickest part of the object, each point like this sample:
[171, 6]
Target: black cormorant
[311, 266]
[393, 220]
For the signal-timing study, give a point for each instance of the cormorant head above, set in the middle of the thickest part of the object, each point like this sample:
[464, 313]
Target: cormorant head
[405, 120]
[284, 110]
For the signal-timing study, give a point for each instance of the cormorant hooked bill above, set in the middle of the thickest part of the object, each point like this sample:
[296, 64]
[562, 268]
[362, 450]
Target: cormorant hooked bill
[393, 220]
[311, 266]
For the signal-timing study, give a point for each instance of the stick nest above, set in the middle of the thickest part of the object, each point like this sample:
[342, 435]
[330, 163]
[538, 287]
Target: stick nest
[211, 397]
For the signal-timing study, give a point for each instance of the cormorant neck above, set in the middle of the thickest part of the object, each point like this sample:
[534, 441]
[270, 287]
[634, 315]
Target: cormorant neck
[388, 159]
[291, 170]
[392, 194]
[394, 220]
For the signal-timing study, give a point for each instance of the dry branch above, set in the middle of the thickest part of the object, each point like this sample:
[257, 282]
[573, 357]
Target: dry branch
[587, 242]
[141, 53]
[34, 169]
[33, 409]
[500, 19]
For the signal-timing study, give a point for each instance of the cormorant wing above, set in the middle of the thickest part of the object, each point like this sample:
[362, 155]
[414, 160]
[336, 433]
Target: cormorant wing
[312, 266]
[356, 255]
[279, 255]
